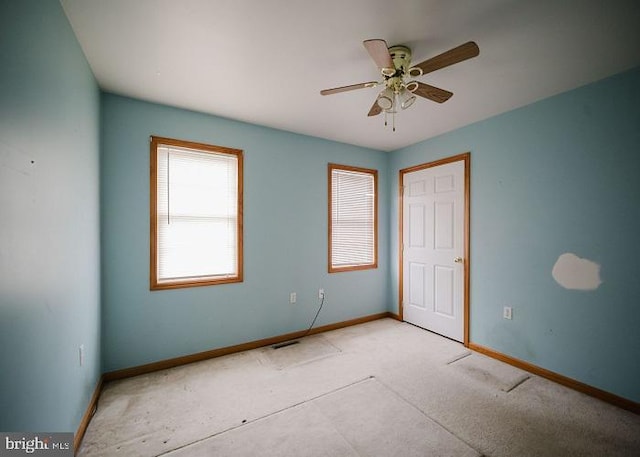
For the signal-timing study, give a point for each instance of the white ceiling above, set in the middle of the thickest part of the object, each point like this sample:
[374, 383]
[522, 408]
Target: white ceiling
[265, 61]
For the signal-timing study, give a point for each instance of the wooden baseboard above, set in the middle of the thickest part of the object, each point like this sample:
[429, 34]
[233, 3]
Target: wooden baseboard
[560, 379]
[197, 357]
[88, 414]
[395, 316]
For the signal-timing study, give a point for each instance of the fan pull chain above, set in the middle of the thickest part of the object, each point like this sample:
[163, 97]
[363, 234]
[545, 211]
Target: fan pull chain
[395, 108]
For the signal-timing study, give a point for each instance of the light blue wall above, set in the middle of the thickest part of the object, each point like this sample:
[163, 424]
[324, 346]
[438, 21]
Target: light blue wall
[557, 176]
[285, 239]
[49, 227]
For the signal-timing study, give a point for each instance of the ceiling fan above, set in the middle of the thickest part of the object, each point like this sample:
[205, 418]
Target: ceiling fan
[395, 66]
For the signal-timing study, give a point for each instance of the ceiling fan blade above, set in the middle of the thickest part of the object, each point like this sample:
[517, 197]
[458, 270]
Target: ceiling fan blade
[336, 90]
[375, 109]
[379, 52]
[432, 93]
[455, 55]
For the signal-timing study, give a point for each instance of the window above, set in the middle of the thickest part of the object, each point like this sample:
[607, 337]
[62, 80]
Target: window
[196, 214]
[353, 218]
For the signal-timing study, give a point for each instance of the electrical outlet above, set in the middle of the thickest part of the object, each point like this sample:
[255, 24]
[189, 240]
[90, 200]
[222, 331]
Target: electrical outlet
[293, 298]
[320, 294]
[507, 312]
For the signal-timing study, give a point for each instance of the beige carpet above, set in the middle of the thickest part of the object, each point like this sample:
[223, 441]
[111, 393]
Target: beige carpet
[492, 372]
[379, 389]
[342, 423]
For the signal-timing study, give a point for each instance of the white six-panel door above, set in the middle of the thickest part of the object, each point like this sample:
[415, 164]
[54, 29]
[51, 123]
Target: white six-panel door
[433, 248]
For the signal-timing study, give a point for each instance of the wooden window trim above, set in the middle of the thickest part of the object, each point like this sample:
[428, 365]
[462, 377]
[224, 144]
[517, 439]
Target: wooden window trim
[331, 268]
[190, 282]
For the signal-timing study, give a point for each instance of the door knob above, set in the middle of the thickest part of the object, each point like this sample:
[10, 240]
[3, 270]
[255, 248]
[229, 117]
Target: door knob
[458, 260]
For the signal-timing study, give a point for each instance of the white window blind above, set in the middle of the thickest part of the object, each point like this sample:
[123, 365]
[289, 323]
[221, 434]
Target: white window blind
[353, 218]
[196, 214]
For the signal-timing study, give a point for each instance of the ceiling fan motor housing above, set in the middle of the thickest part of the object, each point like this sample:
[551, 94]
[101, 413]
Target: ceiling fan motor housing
[401, 57]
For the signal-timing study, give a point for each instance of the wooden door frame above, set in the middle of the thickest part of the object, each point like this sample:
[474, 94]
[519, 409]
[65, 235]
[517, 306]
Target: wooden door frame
[466, 158]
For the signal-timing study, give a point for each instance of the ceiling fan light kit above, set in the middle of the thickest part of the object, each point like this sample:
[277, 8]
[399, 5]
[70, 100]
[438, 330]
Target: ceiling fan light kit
[395, 67]
[385, 99]
[412, 86]
[406, 98]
